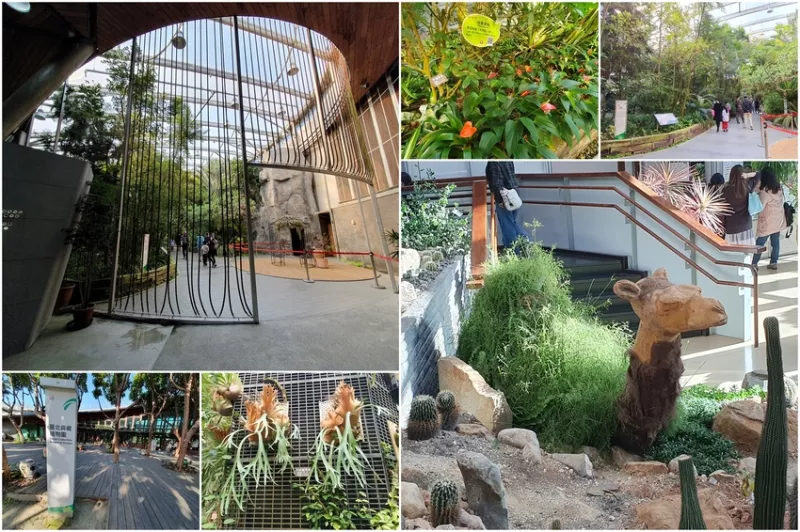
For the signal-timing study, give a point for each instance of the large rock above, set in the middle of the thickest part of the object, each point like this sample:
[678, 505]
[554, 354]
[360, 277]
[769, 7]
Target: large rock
[665, 513]
[474, 395]
[532, 453]
[409, 261]
[286, 194]
[645, 468]
[417, 524]
[674, 466]
[415, 476]
[485, 492]
[471, 522]
[592, 453]
[759, 378]
[518, 438]
[408, 294]
[474, 429]
[620, 457]
[412, 503]
[580, 463]
[742, 421]
[27, 468]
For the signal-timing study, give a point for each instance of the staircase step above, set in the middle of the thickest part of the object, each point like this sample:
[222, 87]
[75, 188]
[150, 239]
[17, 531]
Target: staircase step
[602, 285]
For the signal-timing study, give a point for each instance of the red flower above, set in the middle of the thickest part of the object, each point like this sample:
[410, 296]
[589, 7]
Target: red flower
[524, 93]
[492, 75]
[519, 72]
[528, 68]
[580, 70]
[587, 79]
[467, 131]
[547, 107]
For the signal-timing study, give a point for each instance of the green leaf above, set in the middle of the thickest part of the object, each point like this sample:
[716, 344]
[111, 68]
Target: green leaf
[229, 521]
[412, 143]
[568, 84]
[531, 127]
[488, 141]
[572, 127]
[547, 153]
[470, 102]
[510, 135]
[565, 103]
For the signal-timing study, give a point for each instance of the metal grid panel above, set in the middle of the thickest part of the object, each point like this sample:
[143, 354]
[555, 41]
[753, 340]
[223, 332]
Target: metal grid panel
[278, 506]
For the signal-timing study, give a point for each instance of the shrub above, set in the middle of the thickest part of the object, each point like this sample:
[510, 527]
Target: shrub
[690, 430]
[428, 221]
[773, 104]
[561, 369]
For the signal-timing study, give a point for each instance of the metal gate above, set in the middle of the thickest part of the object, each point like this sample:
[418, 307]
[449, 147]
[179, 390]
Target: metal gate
[212, 106]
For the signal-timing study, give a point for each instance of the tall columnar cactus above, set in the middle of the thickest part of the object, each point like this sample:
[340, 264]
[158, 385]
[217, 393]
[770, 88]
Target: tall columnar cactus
[444, 503]
[423, 421]
[793, 507]
[448, 409]
[773, 449]
[691, 514]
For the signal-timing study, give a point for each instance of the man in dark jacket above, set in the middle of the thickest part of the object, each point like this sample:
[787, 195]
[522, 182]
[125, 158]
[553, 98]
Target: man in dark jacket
[501, 175]
[717, 113]
[747, 107]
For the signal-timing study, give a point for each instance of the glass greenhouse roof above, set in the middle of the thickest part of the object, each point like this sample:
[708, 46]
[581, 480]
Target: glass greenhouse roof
[757, 18]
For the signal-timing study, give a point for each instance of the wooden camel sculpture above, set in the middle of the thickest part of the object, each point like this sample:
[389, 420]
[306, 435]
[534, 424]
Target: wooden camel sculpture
[665, 311]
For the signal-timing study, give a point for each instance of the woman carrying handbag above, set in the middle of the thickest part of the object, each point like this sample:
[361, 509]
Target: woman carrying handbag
[737, 193]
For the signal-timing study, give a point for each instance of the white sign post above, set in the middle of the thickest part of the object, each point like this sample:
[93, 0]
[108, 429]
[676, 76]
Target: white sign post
[145, 250]
[61, 408]
[620, 118]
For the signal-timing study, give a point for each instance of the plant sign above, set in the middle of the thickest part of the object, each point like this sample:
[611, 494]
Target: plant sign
[480, 30]
[666, 119]
[620, 118]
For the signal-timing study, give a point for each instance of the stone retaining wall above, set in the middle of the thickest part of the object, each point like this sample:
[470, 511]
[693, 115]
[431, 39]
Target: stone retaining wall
[429, 330]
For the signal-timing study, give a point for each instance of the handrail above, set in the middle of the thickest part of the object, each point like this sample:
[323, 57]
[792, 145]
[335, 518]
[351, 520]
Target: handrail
[479, 229]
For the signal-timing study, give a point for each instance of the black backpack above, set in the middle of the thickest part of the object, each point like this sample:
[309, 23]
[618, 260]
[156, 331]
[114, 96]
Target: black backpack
[788, 213]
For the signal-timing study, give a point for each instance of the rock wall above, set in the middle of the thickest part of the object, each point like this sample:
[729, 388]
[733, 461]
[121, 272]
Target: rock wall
[286, 192]
[429, 330]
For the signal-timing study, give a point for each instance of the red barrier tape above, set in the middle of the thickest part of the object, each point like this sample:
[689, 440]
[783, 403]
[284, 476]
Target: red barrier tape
[789, 131]
[766, 120]
[245, 247]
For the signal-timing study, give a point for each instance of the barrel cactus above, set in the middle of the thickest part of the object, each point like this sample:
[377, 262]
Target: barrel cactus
[444, 503]
[773, 449]
[437, 256]
[691, 514]
[423, 421]
[448, 409]
[430, 265]
[556, 524]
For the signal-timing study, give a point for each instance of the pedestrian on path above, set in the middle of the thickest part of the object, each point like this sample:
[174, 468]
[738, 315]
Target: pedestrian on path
[747, 106]
[212, 249]
[717, 113]
[738, 224]
[757, 106]
[501, 176]
[739, 110]
[772, 220]
[726, 116]
[185, 244]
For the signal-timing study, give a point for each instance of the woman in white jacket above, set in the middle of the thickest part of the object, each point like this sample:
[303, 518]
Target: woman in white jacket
[771, 221]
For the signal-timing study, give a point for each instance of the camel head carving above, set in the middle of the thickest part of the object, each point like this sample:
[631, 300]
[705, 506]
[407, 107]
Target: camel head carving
[666, 310]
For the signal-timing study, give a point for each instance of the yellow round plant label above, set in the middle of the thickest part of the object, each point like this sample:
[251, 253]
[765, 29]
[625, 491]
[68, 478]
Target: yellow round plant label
[480, 30]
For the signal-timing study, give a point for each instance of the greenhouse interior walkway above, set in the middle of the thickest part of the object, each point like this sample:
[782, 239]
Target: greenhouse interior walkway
[720, 360]
[302, 326]
[142, 494]
[740, 143]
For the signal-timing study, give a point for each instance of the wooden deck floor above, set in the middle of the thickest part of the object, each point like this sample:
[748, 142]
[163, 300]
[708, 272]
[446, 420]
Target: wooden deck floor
[142, 494]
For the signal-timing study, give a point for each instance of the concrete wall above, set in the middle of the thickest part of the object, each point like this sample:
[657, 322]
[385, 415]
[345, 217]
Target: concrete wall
[349, 225]
[429, 330]
[44, 188]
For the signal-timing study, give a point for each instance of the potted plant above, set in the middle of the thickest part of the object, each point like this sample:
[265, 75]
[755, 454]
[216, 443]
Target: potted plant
[320, 251]
[64, 295]
[96, 215]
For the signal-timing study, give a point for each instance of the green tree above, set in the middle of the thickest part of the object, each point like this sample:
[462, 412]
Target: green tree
[189, 385]
[154, 393]
[773, 65]
[113, 386]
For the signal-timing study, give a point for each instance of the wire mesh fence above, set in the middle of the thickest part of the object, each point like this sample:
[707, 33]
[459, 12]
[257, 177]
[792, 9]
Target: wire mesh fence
[278, 505]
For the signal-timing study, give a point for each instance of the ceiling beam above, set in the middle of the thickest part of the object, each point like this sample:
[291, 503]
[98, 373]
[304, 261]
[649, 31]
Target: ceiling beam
[731, 16]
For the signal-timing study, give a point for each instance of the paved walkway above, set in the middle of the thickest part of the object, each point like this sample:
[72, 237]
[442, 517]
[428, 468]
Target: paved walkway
[303, 327]
[739, 143]
[721, 360]
[142, 493]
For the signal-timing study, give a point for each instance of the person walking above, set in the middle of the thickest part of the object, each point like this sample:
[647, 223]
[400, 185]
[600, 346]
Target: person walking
[726, 116]
[501, 176]
[747, 107]
[739, 110]
[717, 113]
[772, 220]
[717, 181]
[757, 106]
[738, 223]
[184, 240]
[212, 249]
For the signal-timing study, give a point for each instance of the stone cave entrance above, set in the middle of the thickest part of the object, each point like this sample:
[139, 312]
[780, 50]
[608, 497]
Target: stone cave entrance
[298, 246]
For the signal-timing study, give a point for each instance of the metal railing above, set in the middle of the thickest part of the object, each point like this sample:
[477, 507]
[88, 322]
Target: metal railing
[479, 202]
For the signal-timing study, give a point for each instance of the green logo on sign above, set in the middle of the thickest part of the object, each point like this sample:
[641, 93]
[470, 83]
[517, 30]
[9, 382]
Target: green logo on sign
[69, 402]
